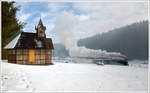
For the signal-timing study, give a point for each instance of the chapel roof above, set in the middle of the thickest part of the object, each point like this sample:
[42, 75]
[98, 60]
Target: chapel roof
[26, 40]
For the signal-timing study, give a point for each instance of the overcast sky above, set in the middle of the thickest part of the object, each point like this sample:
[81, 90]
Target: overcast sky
[85, 19]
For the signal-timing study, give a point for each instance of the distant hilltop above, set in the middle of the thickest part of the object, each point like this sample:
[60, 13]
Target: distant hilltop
[130, 40]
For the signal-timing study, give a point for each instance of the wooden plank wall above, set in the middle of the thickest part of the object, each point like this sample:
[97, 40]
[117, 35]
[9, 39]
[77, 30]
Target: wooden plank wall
[43, 56]
[11, 56]
[21, 56]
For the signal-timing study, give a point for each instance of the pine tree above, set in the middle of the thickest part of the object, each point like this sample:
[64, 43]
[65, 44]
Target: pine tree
[10, 24]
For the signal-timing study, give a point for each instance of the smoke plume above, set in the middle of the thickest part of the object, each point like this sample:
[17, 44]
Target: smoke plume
[64, 26]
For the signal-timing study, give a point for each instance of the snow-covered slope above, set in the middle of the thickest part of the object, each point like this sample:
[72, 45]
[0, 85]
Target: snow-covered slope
[74, 77]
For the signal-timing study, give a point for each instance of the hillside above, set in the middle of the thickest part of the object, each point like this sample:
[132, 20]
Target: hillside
[130, 40]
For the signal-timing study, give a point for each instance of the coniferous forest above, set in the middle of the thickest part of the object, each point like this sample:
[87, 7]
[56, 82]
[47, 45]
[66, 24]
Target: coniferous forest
[130, 40]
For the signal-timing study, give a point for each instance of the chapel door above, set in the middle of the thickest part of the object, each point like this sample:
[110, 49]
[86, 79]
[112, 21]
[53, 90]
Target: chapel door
[31, 56]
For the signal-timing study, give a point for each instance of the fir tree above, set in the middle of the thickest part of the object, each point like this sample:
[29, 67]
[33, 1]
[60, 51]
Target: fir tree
[10, 24]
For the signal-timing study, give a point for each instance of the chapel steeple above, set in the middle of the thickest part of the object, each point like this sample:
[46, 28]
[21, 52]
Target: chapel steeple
[40, 30]
[40, 23]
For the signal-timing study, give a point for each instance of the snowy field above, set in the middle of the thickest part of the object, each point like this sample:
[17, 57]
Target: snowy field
[74, 77]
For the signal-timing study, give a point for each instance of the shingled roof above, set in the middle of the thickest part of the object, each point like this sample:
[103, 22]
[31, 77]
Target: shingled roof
[27, 40]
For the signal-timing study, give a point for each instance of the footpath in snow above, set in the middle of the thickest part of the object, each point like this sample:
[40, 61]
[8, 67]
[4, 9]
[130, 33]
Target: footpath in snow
[74, 77]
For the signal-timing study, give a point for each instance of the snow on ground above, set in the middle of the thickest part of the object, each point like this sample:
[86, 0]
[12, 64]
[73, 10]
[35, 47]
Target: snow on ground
[74, 77]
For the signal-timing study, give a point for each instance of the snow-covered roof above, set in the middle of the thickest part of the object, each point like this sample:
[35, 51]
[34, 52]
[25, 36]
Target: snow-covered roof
[12, 43]
[26, 40]
[38, 43]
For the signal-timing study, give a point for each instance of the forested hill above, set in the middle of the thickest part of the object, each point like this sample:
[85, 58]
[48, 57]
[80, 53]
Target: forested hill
[130, 40]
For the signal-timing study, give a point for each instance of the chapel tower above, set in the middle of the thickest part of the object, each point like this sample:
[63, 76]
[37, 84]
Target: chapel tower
[40, 30]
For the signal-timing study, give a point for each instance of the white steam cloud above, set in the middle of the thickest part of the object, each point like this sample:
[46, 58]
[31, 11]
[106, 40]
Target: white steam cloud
[64, 27]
